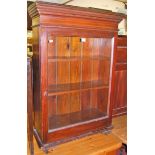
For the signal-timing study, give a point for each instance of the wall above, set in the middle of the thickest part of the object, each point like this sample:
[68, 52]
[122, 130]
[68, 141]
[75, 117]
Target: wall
[102, 4]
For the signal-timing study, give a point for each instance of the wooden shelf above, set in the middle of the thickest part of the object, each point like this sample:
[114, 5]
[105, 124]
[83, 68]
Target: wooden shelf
[56, 122]
[76, 58]
[75, 87]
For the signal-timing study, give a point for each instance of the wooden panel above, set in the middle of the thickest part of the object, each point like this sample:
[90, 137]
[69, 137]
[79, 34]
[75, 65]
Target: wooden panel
[104, 71]
[75, 46]
[96, 46]
[99, 99]
[120, 97]
[95, 70]
[36, 81]
[62, 46]
[80, 32]
[101, 71]
[115, 105]
[63, 72]
[100, 66]
[30, 105]
[86, 70]
[43, 80]
[70, 119]
[63, 104]
[121, 55]
[86, 63]
[85, 100]
[102, 99]
[75, 102]
[75, 71]
[119, 111]
[52, 105]
[102, 47]
[52, 73]
[84, 23]
[121, 66]
[94, 98]
[106, 47]
[122, 41]
[77, 130]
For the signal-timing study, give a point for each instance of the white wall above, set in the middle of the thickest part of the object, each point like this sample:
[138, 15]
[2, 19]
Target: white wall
[102, 4]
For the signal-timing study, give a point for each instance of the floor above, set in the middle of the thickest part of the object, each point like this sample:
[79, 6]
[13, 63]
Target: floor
[120, 127]
[119, 130]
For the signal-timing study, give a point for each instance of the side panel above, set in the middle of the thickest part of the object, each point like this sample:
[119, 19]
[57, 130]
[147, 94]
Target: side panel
[36, 81]
[44, 81]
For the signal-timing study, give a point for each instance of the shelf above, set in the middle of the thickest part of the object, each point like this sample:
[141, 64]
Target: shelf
[75, 87]
[67, 120]
[75, 58]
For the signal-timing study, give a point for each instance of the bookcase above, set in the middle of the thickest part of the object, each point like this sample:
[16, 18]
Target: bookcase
[73, 69]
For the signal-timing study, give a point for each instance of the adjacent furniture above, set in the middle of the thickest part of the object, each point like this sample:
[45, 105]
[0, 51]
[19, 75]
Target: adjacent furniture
[30, 106]
[73, 71]
[120, 95]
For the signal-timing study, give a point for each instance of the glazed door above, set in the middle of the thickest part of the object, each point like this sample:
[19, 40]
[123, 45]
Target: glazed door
[78, 80]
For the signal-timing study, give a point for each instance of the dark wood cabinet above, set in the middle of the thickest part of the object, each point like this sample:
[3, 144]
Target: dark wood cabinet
[73, 71]
[30, 106]
[120, 93]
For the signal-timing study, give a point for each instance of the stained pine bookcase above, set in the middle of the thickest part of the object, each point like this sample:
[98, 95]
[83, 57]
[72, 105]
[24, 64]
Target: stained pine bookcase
[73, 68]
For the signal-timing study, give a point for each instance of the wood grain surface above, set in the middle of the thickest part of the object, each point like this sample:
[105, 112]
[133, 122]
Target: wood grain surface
[120, 95]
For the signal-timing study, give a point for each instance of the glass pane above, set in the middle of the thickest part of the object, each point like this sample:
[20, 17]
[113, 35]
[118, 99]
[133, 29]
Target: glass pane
[78, 80]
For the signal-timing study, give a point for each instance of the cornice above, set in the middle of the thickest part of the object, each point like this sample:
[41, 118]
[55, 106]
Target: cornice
[45, 8]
